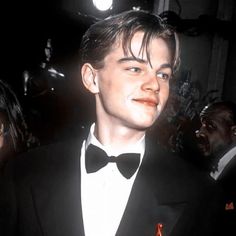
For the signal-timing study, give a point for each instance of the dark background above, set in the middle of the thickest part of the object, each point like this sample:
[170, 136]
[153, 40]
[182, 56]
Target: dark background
[55, 107]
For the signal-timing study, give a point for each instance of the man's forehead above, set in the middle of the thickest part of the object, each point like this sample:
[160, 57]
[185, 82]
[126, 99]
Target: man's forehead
[125, 42]
[126, 50]
[138, 38]
[216, 114]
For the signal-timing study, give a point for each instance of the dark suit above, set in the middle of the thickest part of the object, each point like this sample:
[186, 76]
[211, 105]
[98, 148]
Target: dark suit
[227, 180]
[40, 196]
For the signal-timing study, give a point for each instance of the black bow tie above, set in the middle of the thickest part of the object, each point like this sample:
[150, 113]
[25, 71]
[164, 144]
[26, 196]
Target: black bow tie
[96, 158]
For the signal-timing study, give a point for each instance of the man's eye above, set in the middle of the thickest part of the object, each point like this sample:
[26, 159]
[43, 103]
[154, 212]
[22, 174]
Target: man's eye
[163, 76]
[211, 127]
[134, 69]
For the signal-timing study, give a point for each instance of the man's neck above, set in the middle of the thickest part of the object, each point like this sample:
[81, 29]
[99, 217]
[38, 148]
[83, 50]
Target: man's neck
[117, 137]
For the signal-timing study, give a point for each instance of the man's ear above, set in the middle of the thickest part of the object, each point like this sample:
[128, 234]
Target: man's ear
[89, 78]
[233, 130]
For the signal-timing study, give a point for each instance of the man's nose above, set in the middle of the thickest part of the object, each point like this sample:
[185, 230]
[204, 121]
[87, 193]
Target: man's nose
[199, 133]
[151, 83]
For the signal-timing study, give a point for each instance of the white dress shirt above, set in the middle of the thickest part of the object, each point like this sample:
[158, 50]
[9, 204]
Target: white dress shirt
[223, 162]
[105, 193]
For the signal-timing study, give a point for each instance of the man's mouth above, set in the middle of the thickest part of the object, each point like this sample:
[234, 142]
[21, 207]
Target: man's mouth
[147, 101]
[203, 144]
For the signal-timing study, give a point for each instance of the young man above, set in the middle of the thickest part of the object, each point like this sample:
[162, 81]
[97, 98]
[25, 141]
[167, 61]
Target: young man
[91, 187]
[217, 142]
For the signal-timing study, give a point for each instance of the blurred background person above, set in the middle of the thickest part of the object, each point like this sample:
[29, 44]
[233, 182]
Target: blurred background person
[14, 134]
[217, 137]
[217, 141]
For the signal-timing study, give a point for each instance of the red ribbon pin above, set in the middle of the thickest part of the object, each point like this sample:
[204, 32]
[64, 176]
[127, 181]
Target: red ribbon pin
[159, 228]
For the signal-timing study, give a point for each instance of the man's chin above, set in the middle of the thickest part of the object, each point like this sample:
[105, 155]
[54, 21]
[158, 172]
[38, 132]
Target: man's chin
[204, 150]
[206, 153]
[144, 126]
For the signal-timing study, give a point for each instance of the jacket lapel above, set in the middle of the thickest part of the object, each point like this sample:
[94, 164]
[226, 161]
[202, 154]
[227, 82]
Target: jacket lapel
[146, 207]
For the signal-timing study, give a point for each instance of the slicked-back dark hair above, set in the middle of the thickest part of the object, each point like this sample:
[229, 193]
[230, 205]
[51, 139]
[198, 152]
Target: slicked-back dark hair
[99, 39]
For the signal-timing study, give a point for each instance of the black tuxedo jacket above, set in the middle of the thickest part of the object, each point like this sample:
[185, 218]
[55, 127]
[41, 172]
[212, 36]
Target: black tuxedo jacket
[40, 196]
[227, 180]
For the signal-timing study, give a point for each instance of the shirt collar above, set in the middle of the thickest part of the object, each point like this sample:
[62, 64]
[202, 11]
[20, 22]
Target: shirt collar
[223, 162]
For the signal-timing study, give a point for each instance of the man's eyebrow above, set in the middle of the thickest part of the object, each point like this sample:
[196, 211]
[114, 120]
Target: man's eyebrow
[140, 60]
[166, 65]
[125, 59]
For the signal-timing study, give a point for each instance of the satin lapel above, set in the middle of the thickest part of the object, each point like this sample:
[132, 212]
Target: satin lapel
[146, 207]
[57, 196]
[229, 171]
